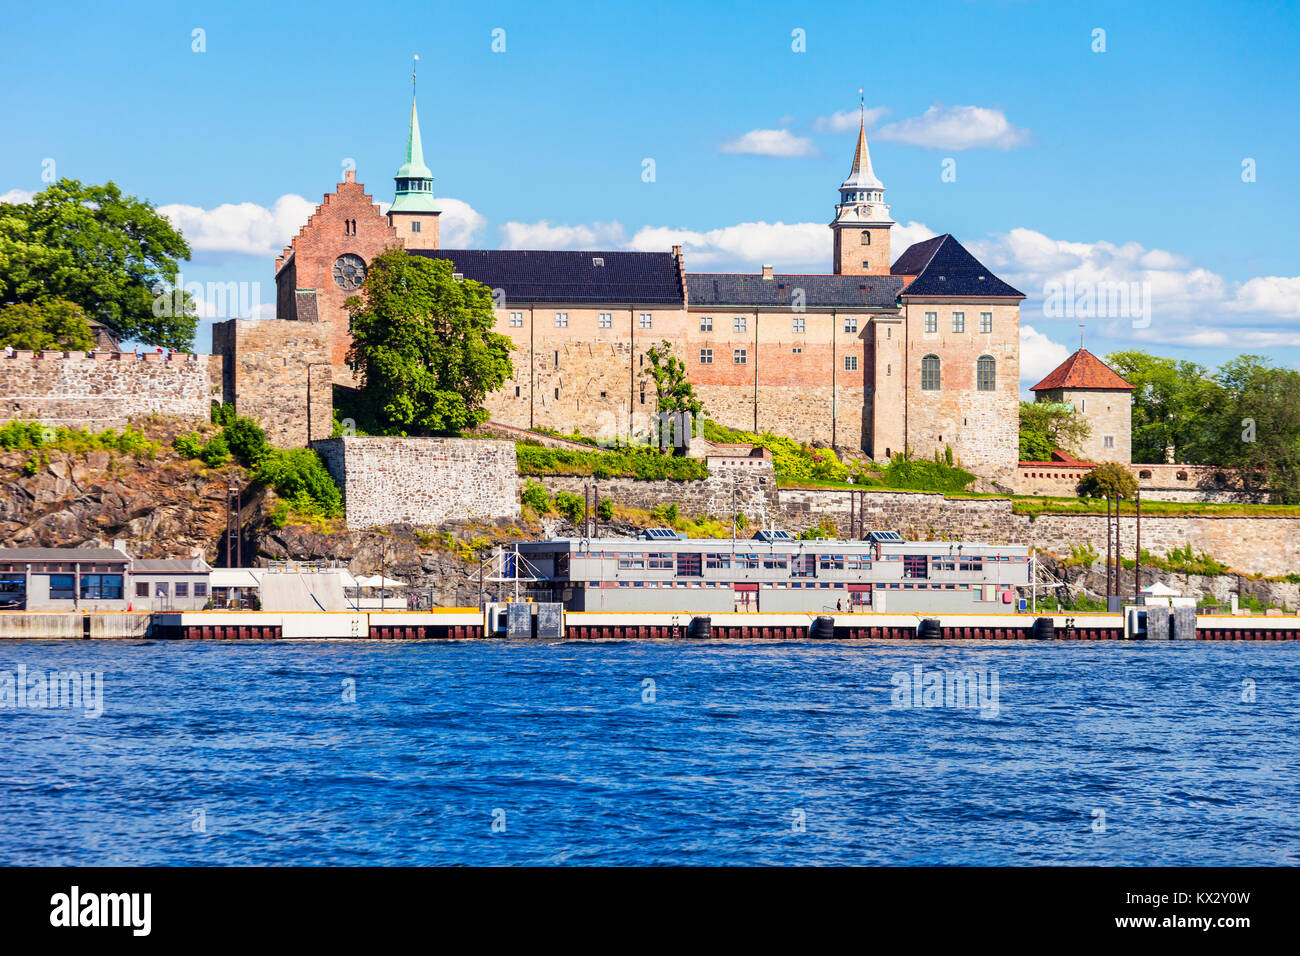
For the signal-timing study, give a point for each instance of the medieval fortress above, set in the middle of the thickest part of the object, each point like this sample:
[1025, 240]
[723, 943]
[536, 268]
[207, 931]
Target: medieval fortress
[916, 354]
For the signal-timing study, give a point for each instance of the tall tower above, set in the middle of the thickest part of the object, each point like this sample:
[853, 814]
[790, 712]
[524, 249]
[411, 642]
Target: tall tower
[861, 225]
[414, 214]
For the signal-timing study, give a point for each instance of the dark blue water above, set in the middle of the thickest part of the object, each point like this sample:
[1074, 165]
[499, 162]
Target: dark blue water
[227, 753]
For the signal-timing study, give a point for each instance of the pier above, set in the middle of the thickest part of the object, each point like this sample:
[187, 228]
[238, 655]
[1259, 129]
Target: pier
[527, 621]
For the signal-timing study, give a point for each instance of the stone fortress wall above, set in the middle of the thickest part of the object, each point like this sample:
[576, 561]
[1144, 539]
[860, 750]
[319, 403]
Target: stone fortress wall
[422, 481]
[103, 389]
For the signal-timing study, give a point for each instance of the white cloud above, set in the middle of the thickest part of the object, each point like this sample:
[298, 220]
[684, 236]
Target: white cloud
[1038, 355]
[543, 235]
[956, 127]
[770, 142]
[1171, 300]
[784, 245]
[901, 236]
[17, 196]
[459, 225]
[847, 120]
[243, 228]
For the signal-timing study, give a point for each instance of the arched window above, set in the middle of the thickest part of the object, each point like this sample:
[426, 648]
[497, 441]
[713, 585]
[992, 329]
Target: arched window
[986, 374]
[866, 237]
[930, 373]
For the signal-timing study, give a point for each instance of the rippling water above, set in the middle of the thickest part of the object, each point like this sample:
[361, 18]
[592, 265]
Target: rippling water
[739, 753]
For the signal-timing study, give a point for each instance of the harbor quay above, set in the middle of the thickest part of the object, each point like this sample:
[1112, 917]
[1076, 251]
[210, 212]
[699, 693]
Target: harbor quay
[526, 620]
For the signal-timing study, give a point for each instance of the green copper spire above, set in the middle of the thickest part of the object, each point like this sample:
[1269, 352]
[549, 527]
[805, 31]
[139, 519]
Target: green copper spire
[414, 179]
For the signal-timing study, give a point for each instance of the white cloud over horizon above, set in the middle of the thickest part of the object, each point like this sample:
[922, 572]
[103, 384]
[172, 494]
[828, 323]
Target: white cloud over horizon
[15, 196]
[956, 128]
[770, 142]
[846, 121]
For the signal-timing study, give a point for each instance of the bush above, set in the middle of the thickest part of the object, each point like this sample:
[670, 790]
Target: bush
[300, 477]
[20, 436]
[668, 514]
[605, 510]
[909, 474]
[535, 497]
[569, 505]
[246, 440]
[643, 463]
[215, 453]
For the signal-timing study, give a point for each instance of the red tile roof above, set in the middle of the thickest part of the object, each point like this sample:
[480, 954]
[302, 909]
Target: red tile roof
[1083, 370]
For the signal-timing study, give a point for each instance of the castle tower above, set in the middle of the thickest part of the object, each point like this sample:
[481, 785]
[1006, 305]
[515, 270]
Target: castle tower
[861, 225]
[414, 214]
[1101, 397]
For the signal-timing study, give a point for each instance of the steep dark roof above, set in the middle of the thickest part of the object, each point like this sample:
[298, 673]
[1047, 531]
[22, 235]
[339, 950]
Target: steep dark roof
[565, 276]
[1083, 370]
[820, 291]
[942, 266]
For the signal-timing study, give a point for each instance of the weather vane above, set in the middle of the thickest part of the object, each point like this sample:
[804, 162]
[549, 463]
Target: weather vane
[414, 62]
[862, 107]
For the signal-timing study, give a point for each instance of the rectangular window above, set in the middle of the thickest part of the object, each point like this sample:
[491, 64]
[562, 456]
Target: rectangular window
[986, 322]
[200, 590]
[415, 225]
[738, 323]
[851, 323]
[605, 320]
[830, 562]
[561, 320]
[631, 561]
[797, 350]
[932, 321]
[706, 323]
[104, 587]
[776, 562]
[160, 589]
[738, 357]
[706, 356]
[63, 587]
[660, 561]
[959, 321]
[718, 562]
[688, 566]
[646, 320]
[850, 363]
[142, 589]
[516, 319]
[914, 566]
[798, 325]
[1108, 441]
[182, 589]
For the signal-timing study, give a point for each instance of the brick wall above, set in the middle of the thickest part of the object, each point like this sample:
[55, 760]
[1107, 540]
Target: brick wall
[422, 481]
[278, 373]
[104, 390]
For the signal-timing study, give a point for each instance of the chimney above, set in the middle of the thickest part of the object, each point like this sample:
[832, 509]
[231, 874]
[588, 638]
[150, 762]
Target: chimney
[767, 272]
[350, 176]
[677, 252]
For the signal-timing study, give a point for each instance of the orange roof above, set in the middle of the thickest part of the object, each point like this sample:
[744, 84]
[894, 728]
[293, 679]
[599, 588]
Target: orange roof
[1083, 370]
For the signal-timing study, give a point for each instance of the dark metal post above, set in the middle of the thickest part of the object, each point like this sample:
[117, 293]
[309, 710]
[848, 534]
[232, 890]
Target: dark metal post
[1137, 570]
[1108, 566]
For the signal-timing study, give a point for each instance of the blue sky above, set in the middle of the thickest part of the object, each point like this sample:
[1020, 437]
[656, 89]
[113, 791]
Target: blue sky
[1071, 164]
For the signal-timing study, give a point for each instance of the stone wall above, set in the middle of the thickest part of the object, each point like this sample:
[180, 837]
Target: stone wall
[278, 373]
[422, 481]
[747, 485]
[1252, 545]
[103, 390]
[1203, 483]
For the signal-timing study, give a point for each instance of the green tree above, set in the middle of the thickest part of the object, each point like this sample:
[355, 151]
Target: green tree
[50, 324]
[674, 395]
[1172, 405]
[110, 253]
[1110, 479]
[1256, 427]
[424, 346]
[1047, 426]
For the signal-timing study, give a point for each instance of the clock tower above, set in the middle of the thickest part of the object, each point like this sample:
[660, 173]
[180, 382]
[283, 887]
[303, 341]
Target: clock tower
[861, 225]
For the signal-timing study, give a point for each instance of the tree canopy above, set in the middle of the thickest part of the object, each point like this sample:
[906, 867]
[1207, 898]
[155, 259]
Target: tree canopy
[1170, 401]
[49, 324]
[673, 393]
[424, 346]
[1110, 479]
[1047, 426]
[103, 250]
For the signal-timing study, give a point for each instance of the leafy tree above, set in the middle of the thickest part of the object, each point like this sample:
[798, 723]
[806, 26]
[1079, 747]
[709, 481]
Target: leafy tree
[605, 510]
[673, 393]
[1256, 427]
[1110, 479]
[424, 346]
[108, 252]
[1172, 404]
[49, 324]
[1047, 426]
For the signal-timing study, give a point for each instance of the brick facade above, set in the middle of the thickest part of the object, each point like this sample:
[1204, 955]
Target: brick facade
[104, 389]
